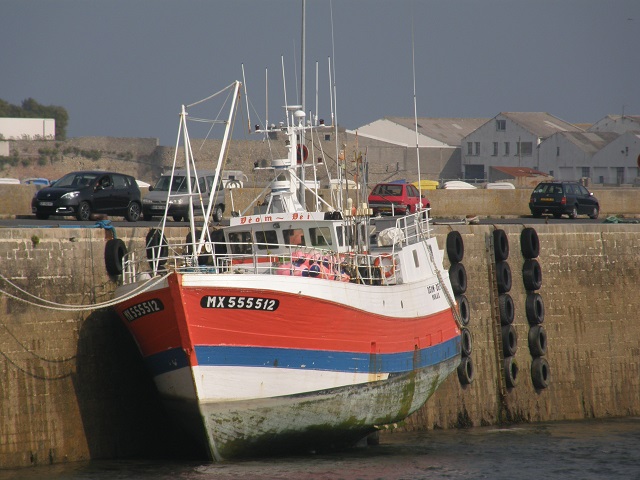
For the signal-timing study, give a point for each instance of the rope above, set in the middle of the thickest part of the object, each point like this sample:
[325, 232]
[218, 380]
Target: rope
[75, 308]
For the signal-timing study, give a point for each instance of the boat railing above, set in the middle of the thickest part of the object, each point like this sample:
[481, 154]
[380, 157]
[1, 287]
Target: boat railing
[415, 227]
[265, 259]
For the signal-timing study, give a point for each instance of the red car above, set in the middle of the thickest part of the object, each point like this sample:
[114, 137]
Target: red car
[396, 199]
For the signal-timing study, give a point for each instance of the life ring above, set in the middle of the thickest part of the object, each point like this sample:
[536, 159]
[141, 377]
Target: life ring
[537, 341]
[532, 274]
[507, 310]
[114, 252]
[455, 247]
[463, 309]
[503, 277]
[529, 243]
[302, 153]
[511, 372]
[465, 371]
[157, 251]
[458, 278]
[466, 343]
[500, 245]
[534, 307]
[387, 264]
[509, 340]
[540, 373]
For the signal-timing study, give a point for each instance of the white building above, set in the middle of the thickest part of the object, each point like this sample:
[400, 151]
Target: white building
[390, 146]
[617, 123]
[510, 139]
[27, 128]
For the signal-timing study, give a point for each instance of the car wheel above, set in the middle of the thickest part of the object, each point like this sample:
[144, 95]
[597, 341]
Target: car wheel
[594, 213]
[177, 218]
[133, 212]
[42, 216]
[217, 213]
[573, 213]
[84, 211]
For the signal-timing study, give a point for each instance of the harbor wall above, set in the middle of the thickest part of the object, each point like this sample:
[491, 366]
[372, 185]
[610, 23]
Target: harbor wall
[73, 386]
[15, 200]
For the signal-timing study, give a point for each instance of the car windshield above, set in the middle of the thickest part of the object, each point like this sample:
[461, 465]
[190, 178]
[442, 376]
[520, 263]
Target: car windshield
[179, 184]
[549, 188]
[388, 190]
[75, 180]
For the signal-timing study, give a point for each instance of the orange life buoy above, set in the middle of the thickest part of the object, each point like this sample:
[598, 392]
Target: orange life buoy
[386, 263]
[302, 153]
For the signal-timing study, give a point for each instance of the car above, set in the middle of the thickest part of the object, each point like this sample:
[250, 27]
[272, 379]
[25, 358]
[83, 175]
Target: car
[154, 202]
[396, 199]
[563, 198]
[84, 193]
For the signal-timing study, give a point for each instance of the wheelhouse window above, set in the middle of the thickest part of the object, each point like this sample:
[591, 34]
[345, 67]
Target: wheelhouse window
[240, 242]
[320, 236]
[294, 236]
[266, 239]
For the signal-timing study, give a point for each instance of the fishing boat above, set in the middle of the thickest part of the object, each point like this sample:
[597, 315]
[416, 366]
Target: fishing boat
[290, 329]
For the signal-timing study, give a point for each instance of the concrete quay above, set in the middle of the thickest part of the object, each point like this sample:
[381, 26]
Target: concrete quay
[73, 386]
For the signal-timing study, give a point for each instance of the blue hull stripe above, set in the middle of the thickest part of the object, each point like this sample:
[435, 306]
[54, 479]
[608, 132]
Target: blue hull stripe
[306, 359]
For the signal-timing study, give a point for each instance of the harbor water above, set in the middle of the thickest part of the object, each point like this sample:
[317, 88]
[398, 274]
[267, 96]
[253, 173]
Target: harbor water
[589, 449]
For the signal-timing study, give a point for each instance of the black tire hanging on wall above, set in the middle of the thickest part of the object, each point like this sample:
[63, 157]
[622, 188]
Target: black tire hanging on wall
[507, 309]
[534, 307]
[540, 373]
[466, 342]
[465, 371]
[455, 247]
[464, 309]
[511, 372]
[500, 245]
[154, 249]
[458, 278]
[509, 340]
[503, 277]
[114, 252]
[531, 274]
[529, 243]
[537, 341]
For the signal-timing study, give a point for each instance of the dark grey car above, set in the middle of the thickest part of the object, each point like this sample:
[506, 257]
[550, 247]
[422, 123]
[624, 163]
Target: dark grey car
[563, 198]
[82, 193]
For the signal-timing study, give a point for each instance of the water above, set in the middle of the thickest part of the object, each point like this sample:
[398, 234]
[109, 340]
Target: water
[594, 449]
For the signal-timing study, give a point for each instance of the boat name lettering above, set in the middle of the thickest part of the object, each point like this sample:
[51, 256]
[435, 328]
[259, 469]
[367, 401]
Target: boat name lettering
[434, 290]
[143, 308]
[249, 303]
[269, 218]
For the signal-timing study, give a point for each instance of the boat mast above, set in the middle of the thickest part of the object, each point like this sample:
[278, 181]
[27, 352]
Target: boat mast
[301, 140]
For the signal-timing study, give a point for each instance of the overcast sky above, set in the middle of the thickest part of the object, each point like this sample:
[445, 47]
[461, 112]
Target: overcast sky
[122, 68]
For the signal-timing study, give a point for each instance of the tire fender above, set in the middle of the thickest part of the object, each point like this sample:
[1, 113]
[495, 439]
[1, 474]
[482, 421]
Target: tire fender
[455, 247]
[465, 371]
[500, 245]
[531, 274]
[114, 252]
[529, 243]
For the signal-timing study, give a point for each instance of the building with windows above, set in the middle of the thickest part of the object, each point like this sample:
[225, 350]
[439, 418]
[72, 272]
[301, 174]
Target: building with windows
[510, 139]
[390, 146]
[617, 123]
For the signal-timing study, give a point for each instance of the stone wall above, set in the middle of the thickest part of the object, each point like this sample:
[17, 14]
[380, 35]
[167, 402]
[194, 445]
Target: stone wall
[73, 386]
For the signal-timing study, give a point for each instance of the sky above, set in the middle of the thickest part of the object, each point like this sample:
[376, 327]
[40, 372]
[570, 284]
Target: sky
[123, 68]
